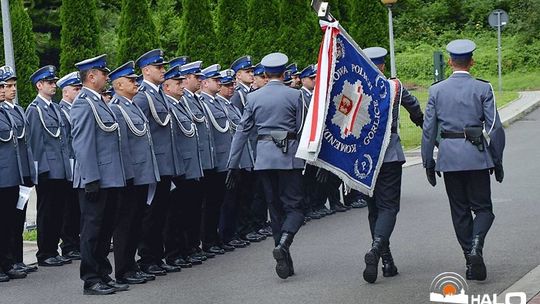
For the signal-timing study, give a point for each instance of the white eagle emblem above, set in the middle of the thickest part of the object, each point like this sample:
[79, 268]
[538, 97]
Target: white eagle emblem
[351, 109]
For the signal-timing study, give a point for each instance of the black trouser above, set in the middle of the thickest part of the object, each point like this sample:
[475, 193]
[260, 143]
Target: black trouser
[214, 192]
[332, 189]
[311, 189]
[230, 210]
[153, 223]
[384, 205]
[248, 188]
[176, 223]
[97, 225]
[259, 206]
[71, 223]
[191, 209]
[10, 196]
[469, 191]
[283, 190]
[127, 230]
[17, 234]
[51, 198]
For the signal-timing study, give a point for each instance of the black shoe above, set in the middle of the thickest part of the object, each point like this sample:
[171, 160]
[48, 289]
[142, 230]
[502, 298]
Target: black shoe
[180, 262]
[16, 274]
[361, 203]
[199, 256]
[226, 247]
[237, 243]
[99, 289]
[146, 276]
[193, 260]
[133, 278]
[389, 268]
[372, 260]
[215, 250]
[254, 237]
[339, 208]
[50, 262]
[170, 268]
[307, 219]
[266, 232]
[117, 286]
[4, 277]
[325, 211]
[154, 270]
[476, 260]
[314, 215]
[23, 267]
[208, 255]
[72, 255]
[247, 242]
[282, 256]
[64, 260]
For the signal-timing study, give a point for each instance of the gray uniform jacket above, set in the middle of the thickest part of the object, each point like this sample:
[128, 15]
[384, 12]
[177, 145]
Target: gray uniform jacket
[206, 142]
[187, 139]
[274, 107]
[239, 97]
[457, 102]
[96, 142]
[221, 132]
[65, 109]
[49, 139]
[233, 114]
[394, 151]
[22, 133]
[10, 159]
[138, 150]
[156, 109]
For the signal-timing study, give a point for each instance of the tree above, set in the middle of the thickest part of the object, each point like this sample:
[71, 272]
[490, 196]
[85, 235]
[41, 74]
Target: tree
[137, 32]
[80, 34]
[369, 24]
[168, 24]
[263, 32]
[198, 39]
[24, 45]
[232, 25]
[300, 32]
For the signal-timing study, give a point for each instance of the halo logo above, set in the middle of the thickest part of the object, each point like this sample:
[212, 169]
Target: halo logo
[450, 287]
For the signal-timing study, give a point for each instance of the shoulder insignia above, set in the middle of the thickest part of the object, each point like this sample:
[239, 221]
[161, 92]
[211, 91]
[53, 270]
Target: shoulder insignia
[142, 88]
[82, 95]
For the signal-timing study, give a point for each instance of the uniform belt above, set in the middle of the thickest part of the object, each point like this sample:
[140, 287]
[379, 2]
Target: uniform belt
[445, 134]
[268, 137]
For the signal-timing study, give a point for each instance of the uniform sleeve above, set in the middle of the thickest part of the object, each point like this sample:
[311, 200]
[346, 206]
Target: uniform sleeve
[241, 136]
[299, 113]
[429, 131]
[35, 139]
[84, 141]
[493, 126]
[411, 104]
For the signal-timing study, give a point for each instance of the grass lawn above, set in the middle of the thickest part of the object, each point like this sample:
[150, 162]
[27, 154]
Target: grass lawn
[411, 135]
[30, 235]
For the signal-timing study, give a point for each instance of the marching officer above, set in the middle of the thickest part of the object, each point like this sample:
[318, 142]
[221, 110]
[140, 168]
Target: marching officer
[49, 144]
[462, 110]
[153, 103]
[237, 197]
[222, 137]
[275, 112]
[141, 171]
[187, 192]
[99, 175]
[28, 167]
[10, 178]
[70, 85]
[384, 205]
[198, 113]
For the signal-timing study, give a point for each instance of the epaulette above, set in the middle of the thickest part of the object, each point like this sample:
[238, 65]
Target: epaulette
[33, 103]
[142, 89]
[482, 80]
[82, 95]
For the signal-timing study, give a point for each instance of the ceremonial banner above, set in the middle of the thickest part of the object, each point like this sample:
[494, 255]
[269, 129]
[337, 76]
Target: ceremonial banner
[347, 127]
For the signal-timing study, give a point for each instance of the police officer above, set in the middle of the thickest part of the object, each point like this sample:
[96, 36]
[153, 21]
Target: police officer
[462, 110]
[11, 177]
[187, 191]
[237, 197]
[152, 102]
[222, 137]
[141, 170]
[275, 112]
[98, 174]
[243, 69]
[259, 80]
[49, 142]
[192, 84]
[384, 205]
[21, 133]
[295, 81]
[70, 85]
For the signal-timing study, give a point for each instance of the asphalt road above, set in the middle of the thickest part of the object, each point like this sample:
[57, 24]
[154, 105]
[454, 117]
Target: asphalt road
[328, 253]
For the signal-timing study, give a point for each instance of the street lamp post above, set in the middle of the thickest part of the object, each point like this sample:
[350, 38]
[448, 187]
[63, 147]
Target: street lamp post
[389, 4]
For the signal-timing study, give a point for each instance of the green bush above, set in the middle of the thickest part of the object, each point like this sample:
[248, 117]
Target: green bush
[198, 39]
[231, 25]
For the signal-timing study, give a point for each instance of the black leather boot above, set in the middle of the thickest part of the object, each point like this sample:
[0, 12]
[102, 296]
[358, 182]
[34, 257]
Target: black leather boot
[389, 268]
[478, 268]
[372, 259]
[284, 267]
[468, 271]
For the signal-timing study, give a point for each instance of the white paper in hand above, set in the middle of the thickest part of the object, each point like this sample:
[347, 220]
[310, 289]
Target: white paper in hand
[24, 195]
[151, 193]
